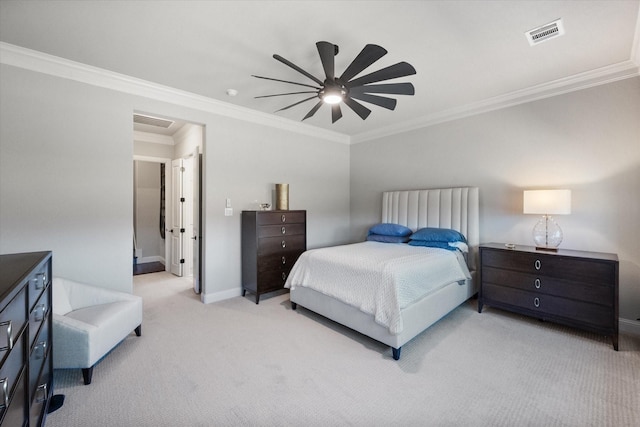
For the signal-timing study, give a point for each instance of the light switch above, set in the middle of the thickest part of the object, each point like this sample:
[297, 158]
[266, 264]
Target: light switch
[228, 212]
[228, 205]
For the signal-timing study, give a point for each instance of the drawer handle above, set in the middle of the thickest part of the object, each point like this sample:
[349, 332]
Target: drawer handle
[284, 260]
[537, 283]
[40, 350]
[41, 393]
[9, 333]
[4, 388]
[537, 264]
[284, 244]
[38, 312]
[283, 218]
[284, 276]
[536, 302]
[284, 230]
[40, 280]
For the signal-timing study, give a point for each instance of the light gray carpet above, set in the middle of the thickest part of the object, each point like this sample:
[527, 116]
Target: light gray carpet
[235, 363]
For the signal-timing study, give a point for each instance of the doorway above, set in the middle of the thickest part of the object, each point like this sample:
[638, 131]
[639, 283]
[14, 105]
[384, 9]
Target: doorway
[173, 150]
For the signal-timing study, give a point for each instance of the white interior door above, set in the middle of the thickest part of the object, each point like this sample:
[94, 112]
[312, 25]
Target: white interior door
[177, 228]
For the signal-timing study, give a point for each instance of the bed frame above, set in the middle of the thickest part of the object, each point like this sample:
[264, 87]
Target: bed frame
[456, 208]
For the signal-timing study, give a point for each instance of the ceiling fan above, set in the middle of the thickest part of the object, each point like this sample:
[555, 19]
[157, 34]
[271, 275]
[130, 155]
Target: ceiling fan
[334, 90]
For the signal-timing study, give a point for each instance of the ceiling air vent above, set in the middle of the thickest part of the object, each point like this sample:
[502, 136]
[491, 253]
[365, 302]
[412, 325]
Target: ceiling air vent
[152, 121]
[545, 32]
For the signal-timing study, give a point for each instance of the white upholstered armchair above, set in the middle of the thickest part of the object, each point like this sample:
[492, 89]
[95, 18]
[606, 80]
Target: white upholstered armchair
[88, 322]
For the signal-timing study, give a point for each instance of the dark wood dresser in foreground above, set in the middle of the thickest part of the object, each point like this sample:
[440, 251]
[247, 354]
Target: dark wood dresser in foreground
[26, 369]
[272, 241]
[575, 288]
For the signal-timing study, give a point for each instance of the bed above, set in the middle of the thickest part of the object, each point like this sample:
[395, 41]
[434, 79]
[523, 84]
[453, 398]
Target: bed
[448, 208]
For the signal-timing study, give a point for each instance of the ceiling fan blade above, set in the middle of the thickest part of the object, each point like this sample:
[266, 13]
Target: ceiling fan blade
[401, 69]
[313, 110]
[390, 88]
[327, 53]
[298, 69]
[381, 101]
[369, 54]
[359, 109]
[284, 81]
[336, 113]
[282, 94]
[293, 105]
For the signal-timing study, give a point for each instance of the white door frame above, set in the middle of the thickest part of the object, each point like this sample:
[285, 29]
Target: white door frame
[168, 189]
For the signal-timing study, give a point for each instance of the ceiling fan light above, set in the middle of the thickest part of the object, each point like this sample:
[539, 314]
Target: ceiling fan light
[332, 98]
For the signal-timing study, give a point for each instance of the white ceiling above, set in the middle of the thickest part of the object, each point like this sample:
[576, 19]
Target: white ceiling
[468, 54]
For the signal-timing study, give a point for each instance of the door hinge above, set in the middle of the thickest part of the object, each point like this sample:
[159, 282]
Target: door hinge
[182, 261]
[182, 230]
[182, 199]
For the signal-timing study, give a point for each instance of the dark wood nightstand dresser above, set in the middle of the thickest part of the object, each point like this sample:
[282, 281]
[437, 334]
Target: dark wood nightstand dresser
[26, 363]
[575, 288]
[272, 241]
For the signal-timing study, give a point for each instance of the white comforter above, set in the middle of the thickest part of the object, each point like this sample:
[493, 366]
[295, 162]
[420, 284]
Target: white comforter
[378, 278]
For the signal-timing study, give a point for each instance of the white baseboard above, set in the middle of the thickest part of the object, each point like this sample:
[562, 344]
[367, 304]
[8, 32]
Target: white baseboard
[151, 259]
[629, 326]
[221, 296]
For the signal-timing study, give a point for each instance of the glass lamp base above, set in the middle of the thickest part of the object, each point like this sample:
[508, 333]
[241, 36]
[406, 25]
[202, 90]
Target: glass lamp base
[547, 234]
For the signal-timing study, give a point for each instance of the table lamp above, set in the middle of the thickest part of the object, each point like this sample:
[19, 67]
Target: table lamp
[547, 233]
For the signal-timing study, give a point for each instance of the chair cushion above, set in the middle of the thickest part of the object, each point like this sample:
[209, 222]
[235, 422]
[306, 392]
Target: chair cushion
[99, 315]
[61, 303]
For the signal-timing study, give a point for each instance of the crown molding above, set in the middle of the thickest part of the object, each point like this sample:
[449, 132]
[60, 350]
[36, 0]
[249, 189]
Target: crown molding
[33, 60]
[597, 77]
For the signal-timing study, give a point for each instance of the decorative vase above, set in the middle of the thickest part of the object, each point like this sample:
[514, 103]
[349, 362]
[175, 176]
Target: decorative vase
[282, 197]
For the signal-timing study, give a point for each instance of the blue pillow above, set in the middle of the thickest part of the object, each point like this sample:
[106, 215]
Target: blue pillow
[387, 239]
[388, 229]
[430, 234]
[441, 245]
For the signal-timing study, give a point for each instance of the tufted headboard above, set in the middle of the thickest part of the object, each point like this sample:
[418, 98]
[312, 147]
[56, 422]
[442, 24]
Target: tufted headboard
[456, 208]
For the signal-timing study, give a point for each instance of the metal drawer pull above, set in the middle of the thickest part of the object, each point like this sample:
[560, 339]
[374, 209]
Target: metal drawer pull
[4, 388]
[40, 280]
[283, 218]
[38, 312]
[537, 283]
[284, 230]
[8, 331]
[284, 260]
[284, 244]
[536, 302]
[284, 276]
[40, 350]
[537, 264]
[41, 393]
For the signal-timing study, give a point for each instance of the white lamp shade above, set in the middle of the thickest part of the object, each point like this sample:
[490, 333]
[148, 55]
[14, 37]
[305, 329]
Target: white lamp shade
[547, 202]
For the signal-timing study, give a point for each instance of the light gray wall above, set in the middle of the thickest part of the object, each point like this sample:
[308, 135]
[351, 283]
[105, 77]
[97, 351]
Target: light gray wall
[66, 181]
[586, 141]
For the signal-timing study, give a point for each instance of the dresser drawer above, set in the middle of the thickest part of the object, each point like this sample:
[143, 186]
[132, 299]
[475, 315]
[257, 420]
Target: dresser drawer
[282, 261]
[280, 230]
[271, 280]
[11, 370]
[38, 356]
[37, 283]
[43, 392]
[12, 319]
[14, 414]
[584, 270]
[545, 285]
[540, 305]
[38, 315]
[279, 245]
[281, 217]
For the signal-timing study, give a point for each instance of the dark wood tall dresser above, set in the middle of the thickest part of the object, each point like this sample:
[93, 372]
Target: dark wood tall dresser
[575, 288]
[26, 369]
[272, 241]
